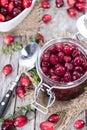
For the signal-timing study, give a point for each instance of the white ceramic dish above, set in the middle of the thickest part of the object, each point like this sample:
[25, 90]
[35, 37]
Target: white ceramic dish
[9, 25]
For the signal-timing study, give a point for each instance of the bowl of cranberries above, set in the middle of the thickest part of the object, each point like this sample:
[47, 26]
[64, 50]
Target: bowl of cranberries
[12, 12]
[62, 66]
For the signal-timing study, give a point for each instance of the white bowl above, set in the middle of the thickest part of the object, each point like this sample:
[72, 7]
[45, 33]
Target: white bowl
[8, 25]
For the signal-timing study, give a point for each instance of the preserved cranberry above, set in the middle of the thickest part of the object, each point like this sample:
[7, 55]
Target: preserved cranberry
[78, 61]
[53, 49]
[69, 67]
[55, 78]
[76, 75]
[60, 47]
[68, 50]
[67, 58]
[67, 77]
[53, 59]
[45, 64]
[45, 70]
[60, 70]
[46, 56]
[60, 56]
[79, 69]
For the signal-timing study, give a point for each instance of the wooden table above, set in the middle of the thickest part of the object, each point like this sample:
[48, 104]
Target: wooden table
[64, 24]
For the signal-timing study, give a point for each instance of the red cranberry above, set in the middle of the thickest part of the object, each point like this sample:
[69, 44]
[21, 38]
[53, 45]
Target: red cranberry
[72, 11]
[71, 2]
[27, 3]
[24, 81]
[45, 64]
[79, 69]
[2, 18]
[46, 18]
[76, 52]
[85, 65]
[40, 37]
[8, 17]
[67, 58]
[51, 71]
[10, 7]
[45, 70]
[7, 125]
[46, 125]
[67, 49]
[45, 4]
[3, 11]
[59, 3]
[69, 67]
[18, 3]
[55, 78]
[8, 39]
[20, 121]
[81, 6]
[16, 11]
[20, 91]
[54, 118]
[67, 77]
[46, 56]
[78, 61]
[53, 49]
[79, 124]
[60, 56]
[60, 47]
[82, 1]
[4, 3]
[76, 75]
[60, 70]
[7, 69]
[53, 59]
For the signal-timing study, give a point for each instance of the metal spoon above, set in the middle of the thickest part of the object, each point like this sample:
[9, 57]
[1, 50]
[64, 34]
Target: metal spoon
[27, 59]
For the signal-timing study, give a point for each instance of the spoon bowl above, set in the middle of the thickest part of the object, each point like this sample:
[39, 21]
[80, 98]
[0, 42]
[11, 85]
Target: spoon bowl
[27, 59]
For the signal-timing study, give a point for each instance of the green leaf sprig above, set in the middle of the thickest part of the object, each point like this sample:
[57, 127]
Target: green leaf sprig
[10, 49]
[20, 111]
[35, 76]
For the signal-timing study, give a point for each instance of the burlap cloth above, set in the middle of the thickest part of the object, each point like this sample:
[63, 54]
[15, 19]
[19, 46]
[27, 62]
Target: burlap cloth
[31, 25]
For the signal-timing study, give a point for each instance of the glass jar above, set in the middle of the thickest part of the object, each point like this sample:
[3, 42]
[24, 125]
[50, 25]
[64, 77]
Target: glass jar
[60, 90]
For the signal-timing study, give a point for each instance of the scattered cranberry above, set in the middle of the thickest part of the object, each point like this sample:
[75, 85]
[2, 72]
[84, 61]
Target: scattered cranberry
[71, 2]
[54, 118]
[27, 3]
[24, 81]
[7, 69]
[20, 91]
[40, 37]
[46, 18]
[81, 6]
[20, 121]
[79, 124]
[46, 125]
[7, 125]
[72, 11]
[45, 4]
[59, 3]
[8, 39]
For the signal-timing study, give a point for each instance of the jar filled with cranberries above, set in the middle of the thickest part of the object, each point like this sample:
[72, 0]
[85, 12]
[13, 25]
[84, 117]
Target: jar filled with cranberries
[62, 66]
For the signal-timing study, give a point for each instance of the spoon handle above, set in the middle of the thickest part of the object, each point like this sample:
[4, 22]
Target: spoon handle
[6, 99]
[4, 103]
